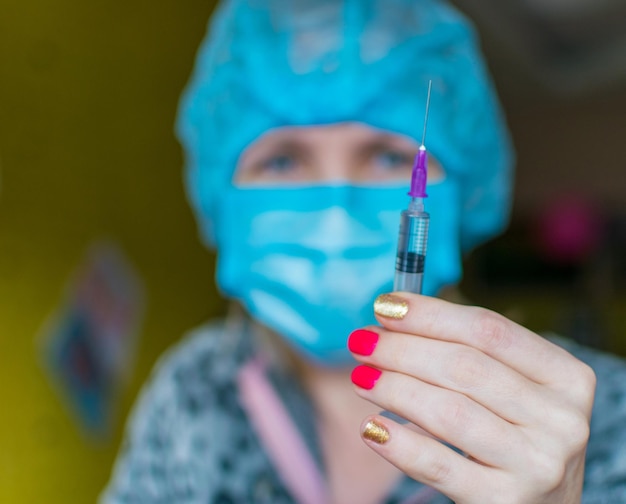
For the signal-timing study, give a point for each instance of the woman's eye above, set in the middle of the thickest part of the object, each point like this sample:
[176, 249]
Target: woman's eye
[393, 160]
[279, 164]
[275, 167]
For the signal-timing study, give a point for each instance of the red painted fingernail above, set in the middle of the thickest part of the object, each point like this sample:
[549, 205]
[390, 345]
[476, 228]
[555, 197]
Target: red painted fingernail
[362, 342]
[365, 376]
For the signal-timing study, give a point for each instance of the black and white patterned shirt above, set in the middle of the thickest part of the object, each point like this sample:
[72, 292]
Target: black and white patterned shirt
[191, 439]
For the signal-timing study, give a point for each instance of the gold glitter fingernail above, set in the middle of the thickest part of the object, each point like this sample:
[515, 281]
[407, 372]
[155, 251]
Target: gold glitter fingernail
[376, 432]
[390, 306]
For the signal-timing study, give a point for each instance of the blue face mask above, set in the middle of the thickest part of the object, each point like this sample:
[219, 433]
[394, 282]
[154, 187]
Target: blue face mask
[309, 262]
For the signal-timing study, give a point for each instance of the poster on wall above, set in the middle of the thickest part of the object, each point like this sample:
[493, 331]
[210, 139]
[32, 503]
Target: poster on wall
[88, 344]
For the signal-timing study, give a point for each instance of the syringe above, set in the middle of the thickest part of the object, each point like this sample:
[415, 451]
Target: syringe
[413, 236]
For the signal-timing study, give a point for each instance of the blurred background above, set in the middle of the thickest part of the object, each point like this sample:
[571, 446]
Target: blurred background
[92, 208]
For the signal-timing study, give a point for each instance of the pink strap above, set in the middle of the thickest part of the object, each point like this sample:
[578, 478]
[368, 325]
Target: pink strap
[283, 440]
[280, 436]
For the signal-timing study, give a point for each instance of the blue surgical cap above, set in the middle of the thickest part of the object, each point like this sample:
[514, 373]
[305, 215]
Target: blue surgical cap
[271, 63]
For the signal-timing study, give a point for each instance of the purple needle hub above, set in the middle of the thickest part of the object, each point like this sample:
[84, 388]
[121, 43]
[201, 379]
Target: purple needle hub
[419, 174]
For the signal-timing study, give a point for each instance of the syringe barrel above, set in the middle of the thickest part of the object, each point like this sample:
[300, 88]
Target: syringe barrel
[411, 254]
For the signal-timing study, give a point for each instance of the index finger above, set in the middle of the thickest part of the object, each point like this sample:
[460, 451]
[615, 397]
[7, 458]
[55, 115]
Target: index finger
[528, 353]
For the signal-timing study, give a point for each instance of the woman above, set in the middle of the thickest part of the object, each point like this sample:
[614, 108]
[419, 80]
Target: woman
[300, 127]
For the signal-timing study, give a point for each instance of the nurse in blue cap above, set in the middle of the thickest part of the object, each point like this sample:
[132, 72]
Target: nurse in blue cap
[300, 124]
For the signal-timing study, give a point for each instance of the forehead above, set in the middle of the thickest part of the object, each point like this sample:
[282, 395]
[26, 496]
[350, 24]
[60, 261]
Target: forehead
[346, 134]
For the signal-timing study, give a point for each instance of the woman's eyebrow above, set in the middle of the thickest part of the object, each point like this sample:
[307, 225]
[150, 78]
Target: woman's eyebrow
[278, 145]
[289, 144]
[381, 142]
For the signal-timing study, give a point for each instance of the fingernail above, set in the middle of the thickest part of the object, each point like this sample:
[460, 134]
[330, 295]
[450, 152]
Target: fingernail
[375, 432]
[362, 342]
[365, 376]
[390, 306]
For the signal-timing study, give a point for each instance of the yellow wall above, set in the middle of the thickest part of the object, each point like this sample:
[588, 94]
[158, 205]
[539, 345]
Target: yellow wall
[88, 92]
